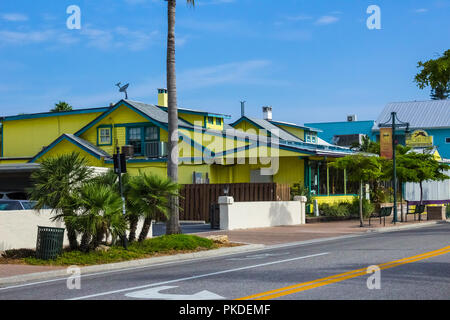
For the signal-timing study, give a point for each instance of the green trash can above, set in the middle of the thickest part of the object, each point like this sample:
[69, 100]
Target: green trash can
[49, 242]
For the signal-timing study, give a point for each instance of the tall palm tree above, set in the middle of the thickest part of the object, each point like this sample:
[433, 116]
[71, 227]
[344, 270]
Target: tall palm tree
[151, 194]
[173, 225]
[55, 186]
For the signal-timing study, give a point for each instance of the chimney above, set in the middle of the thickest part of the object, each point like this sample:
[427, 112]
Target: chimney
[242, 108]
[162, 98]
[267, 113]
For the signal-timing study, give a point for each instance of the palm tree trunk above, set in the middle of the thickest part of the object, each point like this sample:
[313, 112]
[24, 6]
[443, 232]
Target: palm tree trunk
[133, 226]
[97, 239]
[145, 229]
[84, 246]
[71, 235]
[361, 218]
[173, 225]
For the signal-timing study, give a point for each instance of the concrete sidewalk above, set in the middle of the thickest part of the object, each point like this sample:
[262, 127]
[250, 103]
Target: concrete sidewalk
[312, 231]
[263, 236]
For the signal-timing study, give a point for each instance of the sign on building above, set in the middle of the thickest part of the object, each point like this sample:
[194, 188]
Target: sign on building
[419, 139]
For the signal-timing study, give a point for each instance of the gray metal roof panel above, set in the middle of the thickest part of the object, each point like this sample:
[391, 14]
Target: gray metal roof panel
[89, 146]
[282, 134]
[155, 113]
[419, 114]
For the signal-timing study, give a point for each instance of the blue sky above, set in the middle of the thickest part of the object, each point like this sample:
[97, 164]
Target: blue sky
[313, 61]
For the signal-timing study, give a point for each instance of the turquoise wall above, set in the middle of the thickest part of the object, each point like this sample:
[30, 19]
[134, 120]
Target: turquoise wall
[331, 129]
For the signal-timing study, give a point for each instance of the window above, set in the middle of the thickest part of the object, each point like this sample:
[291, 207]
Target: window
[219, 121]
[447, 140]
[104, 136]
[135, 139]
[151, 133]
[210, 120]
[138, 136]
[311, 138]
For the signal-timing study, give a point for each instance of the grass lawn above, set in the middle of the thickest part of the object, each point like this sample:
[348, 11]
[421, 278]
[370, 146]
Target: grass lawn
[163, 245]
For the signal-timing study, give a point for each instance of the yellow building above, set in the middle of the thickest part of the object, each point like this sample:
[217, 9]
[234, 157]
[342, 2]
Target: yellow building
[210, 151]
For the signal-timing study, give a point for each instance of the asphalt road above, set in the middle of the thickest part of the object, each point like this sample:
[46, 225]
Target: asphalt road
[288, 272]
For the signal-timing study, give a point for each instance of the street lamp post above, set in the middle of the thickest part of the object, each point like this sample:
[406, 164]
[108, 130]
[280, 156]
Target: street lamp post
[391, 123]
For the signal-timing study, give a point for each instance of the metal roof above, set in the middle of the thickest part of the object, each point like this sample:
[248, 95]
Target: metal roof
[419, 114]
[269, 127]
[88, 145]
[156, 113]
[205, 113]
[53, 114]
[289, 124]
[19, 167]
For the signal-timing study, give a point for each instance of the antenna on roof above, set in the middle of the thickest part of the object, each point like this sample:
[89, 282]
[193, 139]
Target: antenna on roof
[123, 89]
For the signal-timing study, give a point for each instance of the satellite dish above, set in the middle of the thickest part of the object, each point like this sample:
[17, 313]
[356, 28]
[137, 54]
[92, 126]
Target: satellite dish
[123, 89]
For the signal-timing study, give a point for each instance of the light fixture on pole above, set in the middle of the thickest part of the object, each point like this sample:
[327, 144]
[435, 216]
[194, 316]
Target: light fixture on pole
[394, 122]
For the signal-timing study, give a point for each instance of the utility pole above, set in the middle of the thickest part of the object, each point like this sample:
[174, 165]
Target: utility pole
[119, 168]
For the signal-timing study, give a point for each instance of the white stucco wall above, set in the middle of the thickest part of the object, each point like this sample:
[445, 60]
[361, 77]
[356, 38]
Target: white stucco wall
[247, 215]
[18, 229]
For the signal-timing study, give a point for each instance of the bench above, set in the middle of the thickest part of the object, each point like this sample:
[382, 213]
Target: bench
[419, 209]
[384, 212]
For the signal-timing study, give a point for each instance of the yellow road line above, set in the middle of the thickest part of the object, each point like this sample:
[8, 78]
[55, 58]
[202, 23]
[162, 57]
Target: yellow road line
[341, 277]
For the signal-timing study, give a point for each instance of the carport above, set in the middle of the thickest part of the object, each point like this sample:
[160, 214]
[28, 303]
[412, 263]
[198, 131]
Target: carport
[16, 177]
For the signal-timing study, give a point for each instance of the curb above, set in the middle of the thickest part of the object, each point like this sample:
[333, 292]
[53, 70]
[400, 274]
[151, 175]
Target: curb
[123, 266]
[412, 226]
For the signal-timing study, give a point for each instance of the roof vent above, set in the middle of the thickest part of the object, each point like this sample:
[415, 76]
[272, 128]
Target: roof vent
[267, 113]
[352, 118]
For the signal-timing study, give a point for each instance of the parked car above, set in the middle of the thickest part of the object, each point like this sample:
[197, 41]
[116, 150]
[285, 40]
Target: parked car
[9, 205]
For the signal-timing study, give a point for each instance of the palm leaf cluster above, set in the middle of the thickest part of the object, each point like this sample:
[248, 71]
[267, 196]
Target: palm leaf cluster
[91, 206]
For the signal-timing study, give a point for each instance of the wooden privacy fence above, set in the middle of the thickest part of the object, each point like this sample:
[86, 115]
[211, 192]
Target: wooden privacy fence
[195, 199]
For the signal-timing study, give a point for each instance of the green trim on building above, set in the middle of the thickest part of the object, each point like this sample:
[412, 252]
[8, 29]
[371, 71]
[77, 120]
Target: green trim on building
[105, 126]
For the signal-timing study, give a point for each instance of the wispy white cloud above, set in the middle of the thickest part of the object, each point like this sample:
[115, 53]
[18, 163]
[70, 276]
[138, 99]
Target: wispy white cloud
[300, 17]
[14, 17]
[89, 35]
[325, 20]
[250, 72]
[421, 10]
[292, 35]
[209, 26]
[26, 37]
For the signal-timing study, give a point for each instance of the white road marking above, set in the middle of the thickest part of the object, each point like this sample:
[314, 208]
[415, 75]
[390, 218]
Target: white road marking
[259, 256]
[154, 293]
[196, 277]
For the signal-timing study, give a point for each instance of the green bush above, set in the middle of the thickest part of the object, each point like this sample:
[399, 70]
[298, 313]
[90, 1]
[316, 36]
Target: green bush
[136, 250]
[368, 208]
[335, 210]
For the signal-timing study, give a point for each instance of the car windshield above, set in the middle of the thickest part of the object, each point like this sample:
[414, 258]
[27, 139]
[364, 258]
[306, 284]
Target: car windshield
[6, 205]
[28, 205]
